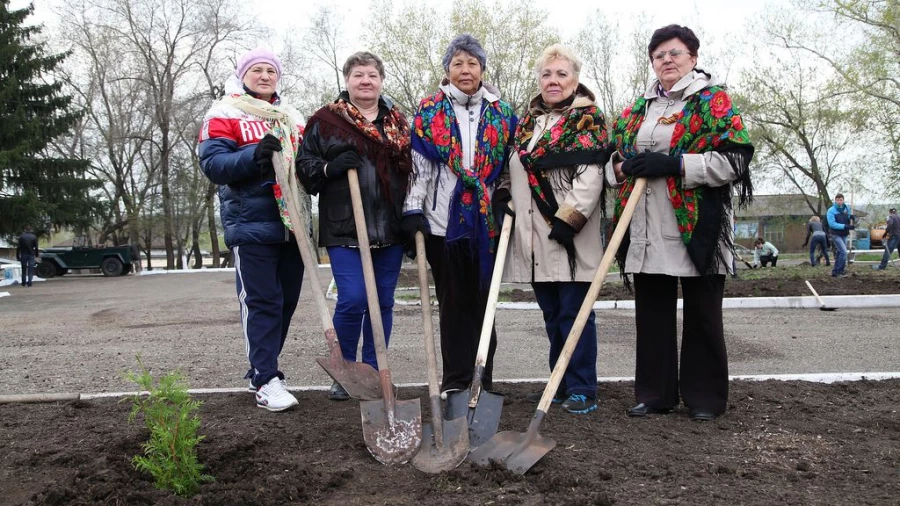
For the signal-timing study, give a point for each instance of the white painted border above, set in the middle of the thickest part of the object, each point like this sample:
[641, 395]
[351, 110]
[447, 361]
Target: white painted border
[814, 377]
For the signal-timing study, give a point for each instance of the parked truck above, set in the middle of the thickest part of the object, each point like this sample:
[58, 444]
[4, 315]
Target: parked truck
[112, 261]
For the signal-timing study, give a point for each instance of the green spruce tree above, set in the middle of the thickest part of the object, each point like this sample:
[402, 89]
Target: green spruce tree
[36, 188]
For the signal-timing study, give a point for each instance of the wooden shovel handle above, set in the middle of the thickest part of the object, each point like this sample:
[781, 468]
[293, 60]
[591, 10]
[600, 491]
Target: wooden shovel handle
[310, 263]
[430, 353]
[815, 294]
[362, 237]
[488, 323]
[588, 304]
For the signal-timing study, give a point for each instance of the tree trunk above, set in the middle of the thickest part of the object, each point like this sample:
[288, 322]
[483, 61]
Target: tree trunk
[211, 223]
[195, 245]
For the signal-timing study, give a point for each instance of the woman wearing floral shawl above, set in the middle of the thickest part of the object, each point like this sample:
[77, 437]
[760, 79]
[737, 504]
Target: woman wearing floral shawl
[360, 130]
[687, 138]
[460, 143]
[556, 181]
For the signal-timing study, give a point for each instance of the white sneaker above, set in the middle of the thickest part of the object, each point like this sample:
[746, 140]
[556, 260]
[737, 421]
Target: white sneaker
[274, 397]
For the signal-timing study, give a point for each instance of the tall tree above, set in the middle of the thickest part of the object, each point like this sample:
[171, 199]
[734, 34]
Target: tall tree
[36, 188]
[862, 45]
[803, 126]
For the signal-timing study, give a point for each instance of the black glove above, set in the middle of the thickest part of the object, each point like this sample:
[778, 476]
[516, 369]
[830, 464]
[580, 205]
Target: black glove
[342, 163]
[652, 165]
[849, 227]
[409, 225]
[562, 233]
[852, 217]
[500, 204]
[262, 155]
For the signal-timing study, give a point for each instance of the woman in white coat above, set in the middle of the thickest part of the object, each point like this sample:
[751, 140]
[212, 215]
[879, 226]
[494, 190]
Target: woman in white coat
[556, 181]
[687, 139]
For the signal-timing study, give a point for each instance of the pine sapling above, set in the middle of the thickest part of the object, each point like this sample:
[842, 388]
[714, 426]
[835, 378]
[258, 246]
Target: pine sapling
[170, 456]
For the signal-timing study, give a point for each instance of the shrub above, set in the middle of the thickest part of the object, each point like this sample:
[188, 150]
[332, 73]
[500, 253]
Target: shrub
[170, 456]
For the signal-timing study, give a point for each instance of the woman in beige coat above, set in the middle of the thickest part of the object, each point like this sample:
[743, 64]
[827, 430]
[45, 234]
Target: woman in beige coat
[687, 139]
[555, 180]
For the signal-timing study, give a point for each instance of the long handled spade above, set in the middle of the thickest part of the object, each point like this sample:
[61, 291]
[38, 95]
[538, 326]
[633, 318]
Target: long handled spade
[822, 306]
[481, 408]
[445, 445]
[517, 451]
[360, 380]
[392, 428]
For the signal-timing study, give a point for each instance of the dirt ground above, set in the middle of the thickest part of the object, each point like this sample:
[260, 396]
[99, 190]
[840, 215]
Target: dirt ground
[779, 442]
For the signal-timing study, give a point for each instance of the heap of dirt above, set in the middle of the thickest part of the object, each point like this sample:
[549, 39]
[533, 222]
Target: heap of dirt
[779, 443]
[778, 282]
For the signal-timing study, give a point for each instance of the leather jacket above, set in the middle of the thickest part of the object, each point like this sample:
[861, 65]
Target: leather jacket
[336, 222]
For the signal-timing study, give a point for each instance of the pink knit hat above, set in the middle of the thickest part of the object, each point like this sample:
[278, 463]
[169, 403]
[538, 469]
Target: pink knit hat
[254, 56]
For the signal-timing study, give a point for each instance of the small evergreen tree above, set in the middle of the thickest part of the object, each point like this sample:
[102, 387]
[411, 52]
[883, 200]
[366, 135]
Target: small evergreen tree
[35, 188]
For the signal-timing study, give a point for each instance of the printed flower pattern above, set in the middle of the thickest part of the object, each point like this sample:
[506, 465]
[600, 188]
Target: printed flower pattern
[707, 120]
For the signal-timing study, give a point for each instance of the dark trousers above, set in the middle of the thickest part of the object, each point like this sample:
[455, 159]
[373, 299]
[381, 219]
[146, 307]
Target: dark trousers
[27, 269]
[463, 300]
[703, 381]
[268, 279]
[766, 259]
[818, 241]
[560, 302]
[352, 318]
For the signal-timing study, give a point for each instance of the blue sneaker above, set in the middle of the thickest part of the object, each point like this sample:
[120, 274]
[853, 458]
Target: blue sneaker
[579, 404]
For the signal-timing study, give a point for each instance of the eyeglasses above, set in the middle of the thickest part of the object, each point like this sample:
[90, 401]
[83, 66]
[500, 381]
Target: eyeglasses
[672, 52]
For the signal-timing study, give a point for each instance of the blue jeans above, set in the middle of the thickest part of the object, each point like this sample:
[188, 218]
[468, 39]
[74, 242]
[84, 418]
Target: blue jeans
[560, 302]
[840, 259]
[351, 314]
[821, 242]
[27, 269]
[892, 244]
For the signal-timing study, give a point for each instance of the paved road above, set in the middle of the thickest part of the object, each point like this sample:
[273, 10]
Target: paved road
[81, 333]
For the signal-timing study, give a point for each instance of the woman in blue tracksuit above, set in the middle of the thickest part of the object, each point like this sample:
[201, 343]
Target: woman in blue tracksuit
[236, 154]
[840, 221]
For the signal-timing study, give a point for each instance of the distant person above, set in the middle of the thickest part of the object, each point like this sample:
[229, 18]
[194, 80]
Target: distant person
[27, 253]
[363, 130]
[892, 235]
[816, 238]
[686, 137]
[764, 253]
[840, 222]
[236, 154]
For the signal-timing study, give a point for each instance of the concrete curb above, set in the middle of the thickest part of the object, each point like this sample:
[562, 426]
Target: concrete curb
[814, 377]
[835, 301]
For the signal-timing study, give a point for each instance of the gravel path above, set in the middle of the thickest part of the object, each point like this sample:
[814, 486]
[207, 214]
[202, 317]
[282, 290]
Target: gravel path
[81, 333]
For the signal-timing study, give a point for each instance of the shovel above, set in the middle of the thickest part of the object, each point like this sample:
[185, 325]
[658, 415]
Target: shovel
[482, 409]
[360, 380]
[392, 428]
[822, 306]
[444, 445]
[517, 451]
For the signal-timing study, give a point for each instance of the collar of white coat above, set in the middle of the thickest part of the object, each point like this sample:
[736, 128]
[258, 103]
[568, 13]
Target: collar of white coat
[689, 84]
[485, 92]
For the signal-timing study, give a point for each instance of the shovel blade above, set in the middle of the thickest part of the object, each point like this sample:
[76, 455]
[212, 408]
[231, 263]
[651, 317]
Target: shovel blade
[514, 450]
[437, 456]
[484, 420]
[393, 437]
[359, 379]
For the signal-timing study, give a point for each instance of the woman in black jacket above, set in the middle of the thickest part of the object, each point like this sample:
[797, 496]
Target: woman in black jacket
[365, 131]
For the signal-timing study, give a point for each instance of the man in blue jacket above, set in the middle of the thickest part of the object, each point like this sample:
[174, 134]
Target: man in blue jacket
[840, 221]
